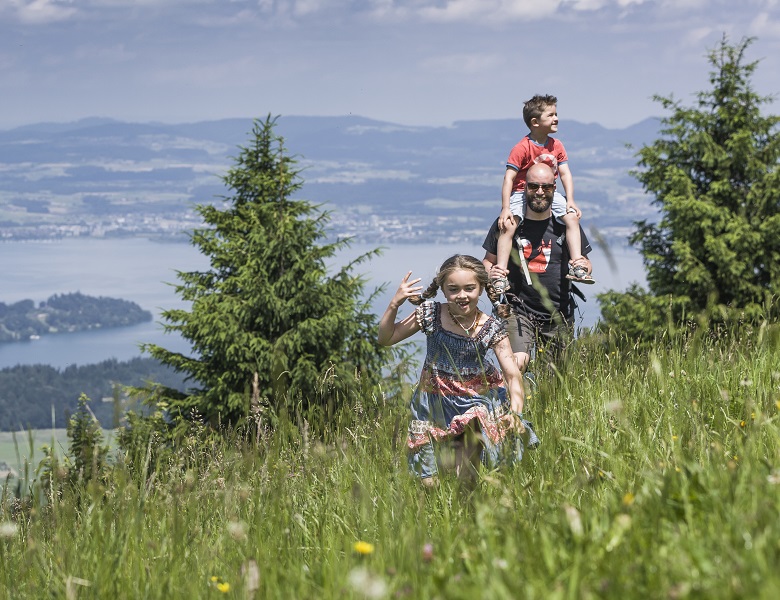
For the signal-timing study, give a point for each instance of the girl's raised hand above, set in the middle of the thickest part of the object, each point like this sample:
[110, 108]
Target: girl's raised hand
[406, 290]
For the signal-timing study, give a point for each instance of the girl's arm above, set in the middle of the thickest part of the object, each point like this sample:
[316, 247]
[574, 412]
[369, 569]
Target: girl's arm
[390, 331]
[512, 375]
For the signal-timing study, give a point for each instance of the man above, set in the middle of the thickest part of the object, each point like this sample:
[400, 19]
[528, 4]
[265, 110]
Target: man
[542, 311]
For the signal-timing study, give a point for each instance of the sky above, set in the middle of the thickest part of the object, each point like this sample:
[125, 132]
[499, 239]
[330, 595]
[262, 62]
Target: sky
[411, 62]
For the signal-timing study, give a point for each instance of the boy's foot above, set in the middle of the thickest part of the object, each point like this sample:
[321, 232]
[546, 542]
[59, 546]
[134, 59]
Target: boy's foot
[500, 285]
[580, 274]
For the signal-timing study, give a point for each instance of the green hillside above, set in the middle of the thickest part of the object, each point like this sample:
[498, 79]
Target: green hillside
[658, 476]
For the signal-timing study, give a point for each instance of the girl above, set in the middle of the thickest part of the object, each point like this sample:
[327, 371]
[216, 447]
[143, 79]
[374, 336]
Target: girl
[460, 396]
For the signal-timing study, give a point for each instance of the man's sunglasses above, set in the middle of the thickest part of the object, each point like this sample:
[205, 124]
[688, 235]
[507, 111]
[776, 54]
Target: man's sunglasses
[532, 187]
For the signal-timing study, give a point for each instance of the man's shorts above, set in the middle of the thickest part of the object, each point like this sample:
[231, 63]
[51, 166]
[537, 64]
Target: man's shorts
[525, 333]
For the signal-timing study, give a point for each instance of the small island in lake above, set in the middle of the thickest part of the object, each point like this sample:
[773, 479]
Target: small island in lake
[66, 313]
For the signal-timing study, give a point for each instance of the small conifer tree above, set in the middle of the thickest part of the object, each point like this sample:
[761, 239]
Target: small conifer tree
[714, 255]
[267, 321]
[86, 442]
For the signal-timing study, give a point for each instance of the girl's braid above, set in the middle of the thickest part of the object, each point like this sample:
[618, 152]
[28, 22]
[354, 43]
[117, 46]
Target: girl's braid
[428, 293]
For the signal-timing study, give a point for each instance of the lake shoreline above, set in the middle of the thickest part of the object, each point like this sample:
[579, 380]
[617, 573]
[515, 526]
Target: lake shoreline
[144, 271]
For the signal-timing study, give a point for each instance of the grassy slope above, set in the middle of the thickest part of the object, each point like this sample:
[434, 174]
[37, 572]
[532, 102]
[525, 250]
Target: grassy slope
[658, 477]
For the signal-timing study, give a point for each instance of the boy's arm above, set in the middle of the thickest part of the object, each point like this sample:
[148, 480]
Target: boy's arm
[568, 186]
[506, 194]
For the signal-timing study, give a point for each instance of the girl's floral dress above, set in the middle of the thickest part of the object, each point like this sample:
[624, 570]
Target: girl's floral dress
[459, 385]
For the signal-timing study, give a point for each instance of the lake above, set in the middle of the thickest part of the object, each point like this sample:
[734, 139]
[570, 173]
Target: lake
[143, 271]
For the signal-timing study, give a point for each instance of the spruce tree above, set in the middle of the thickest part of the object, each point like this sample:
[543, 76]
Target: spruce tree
[714, 255]
[267, 320]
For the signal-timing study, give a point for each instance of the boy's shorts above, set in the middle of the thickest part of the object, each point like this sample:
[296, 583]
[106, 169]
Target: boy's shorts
[517, 205]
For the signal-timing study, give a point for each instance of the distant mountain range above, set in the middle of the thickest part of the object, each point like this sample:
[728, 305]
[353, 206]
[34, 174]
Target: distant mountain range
[381, 181]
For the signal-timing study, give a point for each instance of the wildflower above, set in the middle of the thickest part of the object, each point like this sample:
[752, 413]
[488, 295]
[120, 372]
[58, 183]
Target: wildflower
[674, 438]
[363, 548]
[251, 576]
[219, 584]
[427, 552]
[8, 529]
[367, 584]
[619, 527]
[742, 423]
[237, 530]
[575, 521]
[628, 499]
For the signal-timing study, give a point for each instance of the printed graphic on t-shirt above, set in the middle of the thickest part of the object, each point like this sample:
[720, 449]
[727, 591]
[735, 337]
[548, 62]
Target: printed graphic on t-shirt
[537, 258]
[549, 160]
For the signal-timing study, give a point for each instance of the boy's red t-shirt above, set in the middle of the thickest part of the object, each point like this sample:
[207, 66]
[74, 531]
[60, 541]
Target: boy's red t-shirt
[527, 153]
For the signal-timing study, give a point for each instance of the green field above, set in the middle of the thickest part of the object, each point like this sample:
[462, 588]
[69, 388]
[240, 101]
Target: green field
[658, 477]
[18, 447]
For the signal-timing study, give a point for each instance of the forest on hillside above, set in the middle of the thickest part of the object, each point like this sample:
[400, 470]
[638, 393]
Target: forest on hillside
[66, 313]
[31, 395]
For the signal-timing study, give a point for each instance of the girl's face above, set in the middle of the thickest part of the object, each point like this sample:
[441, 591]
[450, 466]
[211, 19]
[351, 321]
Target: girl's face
[462, 290]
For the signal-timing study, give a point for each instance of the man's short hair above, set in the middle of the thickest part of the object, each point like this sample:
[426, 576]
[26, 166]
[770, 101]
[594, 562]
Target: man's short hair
[533, 108]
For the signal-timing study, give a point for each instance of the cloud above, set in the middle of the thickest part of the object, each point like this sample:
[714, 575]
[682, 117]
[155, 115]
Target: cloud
[38, 11]
[489, 10]
[765, 26]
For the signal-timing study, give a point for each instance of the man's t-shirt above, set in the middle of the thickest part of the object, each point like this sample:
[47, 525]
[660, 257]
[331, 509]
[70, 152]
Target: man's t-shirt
[547, 257]
[527, 153]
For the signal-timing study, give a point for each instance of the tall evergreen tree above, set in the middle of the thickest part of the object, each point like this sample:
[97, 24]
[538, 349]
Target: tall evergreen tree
[714, 174]
[266, 319]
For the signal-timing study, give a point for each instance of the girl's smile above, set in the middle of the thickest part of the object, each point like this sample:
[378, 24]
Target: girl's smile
[462, 291]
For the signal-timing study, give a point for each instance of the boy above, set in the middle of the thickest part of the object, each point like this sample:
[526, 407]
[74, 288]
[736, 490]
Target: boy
[540, 114]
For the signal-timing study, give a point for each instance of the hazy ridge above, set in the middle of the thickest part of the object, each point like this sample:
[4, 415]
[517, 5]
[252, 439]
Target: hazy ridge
[381, 181]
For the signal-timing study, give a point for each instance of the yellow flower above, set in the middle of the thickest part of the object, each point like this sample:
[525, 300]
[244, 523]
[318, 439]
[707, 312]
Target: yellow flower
[628, 499]
[223, 587]
[742, 423]
[674, 438]
[214, 579]
[363, 548]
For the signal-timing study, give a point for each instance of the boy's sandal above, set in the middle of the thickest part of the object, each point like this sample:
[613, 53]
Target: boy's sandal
[500, 285]
[580, 274]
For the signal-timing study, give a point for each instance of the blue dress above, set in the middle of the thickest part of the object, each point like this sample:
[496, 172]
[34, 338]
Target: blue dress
[458, 385]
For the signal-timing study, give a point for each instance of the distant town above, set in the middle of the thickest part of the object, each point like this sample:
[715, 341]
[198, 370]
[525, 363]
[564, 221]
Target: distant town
[410, 229]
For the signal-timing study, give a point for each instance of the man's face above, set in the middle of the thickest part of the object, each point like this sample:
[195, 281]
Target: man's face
[539, 192]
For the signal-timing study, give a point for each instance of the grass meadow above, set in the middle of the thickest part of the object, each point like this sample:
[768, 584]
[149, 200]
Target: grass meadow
[658, 476]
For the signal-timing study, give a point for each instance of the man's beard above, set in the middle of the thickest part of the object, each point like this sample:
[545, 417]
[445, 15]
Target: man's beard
[539, 205]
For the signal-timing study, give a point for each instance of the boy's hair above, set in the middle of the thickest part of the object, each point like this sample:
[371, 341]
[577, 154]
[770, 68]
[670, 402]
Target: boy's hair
[455, 263]
[534, 107]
